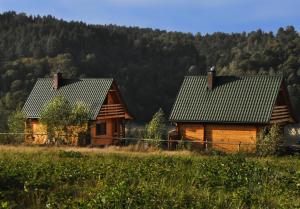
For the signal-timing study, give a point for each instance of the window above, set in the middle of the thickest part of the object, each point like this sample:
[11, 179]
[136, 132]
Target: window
[101, 129]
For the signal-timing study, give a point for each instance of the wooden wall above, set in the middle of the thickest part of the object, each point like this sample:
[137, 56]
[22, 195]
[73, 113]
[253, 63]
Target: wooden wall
[192, 132]
[227, 138]
[231, 138]
[282, 111]
[103, 139]
[38, 133]
[111, 136]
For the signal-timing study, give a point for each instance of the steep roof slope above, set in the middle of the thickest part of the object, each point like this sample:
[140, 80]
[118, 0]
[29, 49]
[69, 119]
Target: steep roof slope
[245, 99]
[92, 92]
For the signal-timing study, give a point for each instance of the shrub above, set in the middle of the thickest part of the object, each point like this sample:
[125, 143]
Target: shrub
[269, 140]
[184, 145]
[156, 129]
[16, 124]
[70, 154]
[59, 117]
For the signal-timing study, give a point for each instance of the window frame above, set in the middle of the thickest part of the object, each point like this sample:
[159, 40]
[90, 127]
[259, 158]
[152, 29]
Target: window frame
[101, 129]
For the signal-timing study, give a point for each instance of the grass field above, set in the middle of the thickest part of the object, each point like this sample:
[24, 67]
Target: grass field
[34, 177]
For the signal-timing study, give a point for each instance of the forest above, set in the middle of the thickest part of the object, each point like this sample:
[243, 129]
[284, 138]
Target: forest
[148, 64]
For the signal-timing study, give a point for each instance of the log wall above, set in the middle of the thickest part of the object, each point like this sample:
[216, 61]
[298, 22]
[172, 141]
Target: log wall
[231, 138]
[227, 138]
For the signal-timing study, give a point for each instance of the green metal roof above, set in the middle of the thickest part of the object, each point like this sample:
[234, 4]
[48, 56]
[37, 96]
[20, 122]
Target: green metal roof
[245, 99]
[92, 92]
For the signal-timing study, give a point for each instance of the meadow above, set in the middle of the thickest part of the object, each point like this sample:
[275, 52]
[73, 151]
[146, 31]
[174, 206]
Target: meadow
[35, 177]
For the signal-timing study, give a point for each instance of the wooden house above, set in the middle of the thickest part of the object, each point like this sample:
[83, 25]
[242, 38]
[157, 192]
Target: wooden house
[228, 112]
[108, 111]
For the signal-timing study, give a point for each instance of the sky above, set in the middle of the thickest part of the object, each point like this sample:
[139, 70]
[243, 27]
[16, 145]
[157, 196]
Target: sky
[204, 16]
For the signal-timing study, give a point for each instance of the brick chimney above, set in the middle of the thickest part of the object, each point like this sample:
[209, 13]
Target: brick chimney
[211, 76]
[57, 80]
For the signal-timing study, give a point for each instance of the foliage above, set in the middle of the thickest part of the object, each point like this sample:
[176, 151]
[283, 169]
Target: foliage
[56, 113]
[70, 154]
[183, 144]
[51, 180]
[16, 124]
[156, 129]
[79, 114]
[269, 140]
[150, 63]
[59, 116]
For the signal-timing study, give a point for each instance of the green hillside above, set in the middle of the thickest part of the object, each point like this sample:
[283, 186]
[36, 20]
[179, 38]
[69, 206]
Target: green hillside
[148, 64]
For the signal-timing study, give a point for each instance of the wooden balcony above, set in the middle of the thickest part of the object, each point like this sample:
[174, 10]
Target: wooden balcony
[111, 111]
[280, 114]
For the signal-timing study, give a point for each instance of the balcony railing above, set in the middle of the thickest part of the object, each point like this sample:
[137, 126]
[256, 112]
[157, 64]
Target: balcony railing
[112, 111]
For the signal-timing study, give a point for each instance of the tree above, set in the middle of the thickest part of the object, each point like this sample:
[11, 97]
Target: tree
[156, 129]
[53, 46]
[132, 54]
[269, 140]
[56, 116]
[16, 124]
[59, 116]
[79, 114]
[65, 63]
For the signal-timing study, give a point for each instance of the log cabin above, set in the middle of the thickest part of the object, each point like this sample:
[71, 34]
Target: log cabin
[227, 113]
[107, 109]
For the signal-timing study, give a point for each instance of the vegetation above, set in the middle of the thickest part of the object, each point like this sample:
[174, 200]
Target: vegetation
[59, 116]
[183, 144]
[150, 63]
[269, 140]
[156, 129]
[70, 179]
[16, 124]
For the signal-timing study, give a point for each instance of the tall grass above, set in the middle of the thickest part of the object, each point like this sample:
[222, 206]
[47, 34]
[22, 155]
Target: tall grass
[61, 178]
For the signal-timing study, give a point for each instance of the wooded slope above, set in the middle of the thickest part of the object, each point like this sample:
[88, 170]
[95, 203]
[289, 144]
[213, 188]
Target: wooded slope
[148, 64]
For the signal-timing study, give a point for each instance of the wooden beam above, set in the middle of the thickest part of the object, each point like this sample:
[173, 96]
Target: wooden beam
[111, 113]
[280, 107]
[114, 110]
[110, 116]
[112, 105]
[280, 117]
[280, 113]
[280, 121]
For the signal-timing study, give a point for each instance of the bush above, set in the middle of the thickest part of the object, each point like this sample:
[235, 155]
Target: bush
[70, 154]
[59, 116]
[156, 129]
[16, 124]
[184, 145]
[269, 140]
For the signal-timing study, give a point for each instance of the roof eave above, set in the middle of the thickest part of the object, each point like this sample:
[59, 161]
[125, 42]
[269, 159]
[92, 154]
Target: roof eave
[220, 122]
